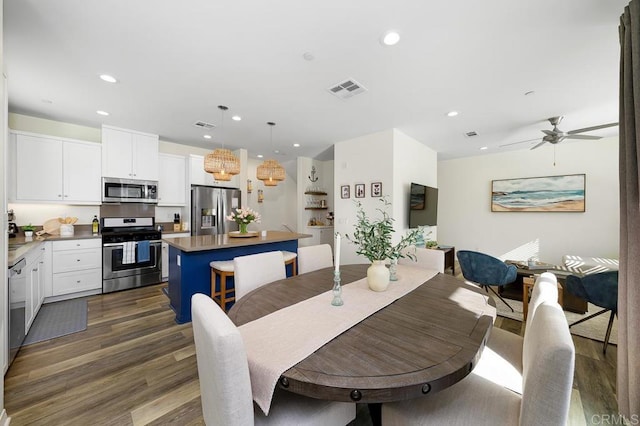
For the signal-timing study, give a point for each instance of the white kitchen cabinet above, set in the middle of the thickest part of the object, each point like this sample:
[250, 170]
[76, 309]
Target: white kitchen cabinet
[165, 253]
[50, 169]
[35, 284]
[172, 180]
[319, 235]
[76, 266]
[129, 154]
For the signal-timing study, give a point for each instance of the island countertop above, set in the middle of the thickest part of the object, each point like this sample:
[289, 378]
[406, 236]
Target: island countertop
[215, 242]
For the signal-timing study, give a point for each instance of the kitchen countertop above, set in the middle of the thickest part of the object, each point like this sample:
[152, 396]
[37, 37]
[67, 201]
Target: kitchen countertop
[24, 246]
[216, 242]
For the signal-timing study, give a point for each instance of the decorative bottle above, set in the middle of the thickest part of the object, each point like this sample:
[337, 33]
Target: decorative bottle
[95, 225]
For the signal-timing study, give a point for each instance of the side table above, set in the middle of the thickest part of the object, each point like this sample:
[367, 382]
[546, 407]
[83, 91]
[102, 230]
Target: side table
[449, 258]
[527, 286]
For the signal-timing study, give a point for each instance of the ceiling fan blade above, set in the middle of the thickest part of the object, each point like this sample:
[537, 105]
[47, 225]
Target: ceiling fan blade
[515, 143]
[548, 132]
[590, 129]
[583, 137]
[539, 145]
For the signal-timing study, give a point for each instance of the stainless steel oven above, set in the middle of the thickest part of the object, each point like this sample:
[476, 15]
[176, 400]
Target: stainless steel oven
[131, 254]
[129, 191]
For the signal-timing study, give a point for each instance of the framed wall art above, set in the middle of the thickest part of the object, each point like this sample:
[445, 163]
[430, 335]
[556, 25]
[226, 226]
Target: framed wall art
[345, 191]
[376, 189]
[565, 193]
[359, 190]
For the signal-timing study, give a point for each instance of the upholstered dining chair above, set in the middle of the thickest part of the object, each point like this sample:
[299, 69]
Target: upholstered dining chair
[255, 270]
[425, 258]
[486, 271]
[311, 258]
[600, 289]
[225, 384]
[501, 359]
[548, 360]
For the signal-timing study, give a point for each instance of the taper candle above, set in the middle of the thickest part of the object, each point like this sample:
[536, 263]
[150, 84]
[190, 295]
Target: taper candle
[337, 261]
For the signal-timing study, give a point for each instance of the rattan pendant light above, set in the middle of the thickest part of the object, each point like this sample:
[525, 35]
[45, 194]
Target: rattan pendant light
[222, 163]
[270, 171]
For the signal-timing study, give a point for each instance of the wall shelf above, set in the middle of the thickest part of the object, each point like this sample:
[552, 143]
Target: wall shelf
[315, 193]
[316, 208]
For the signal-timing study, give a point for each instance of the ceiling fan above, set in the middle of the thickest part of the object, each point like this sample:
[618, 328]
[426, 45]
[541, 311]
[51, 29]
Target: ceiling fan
[556, 135]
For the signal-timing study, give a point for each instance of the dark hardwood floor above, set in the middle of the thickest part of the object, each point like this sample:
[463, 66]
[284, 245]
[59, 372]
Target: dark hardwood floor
[135, 366]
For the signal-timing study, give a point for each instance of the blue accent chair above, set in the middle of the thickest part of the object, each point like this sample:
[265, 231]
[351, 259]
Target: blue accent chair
[600, 289]
[486, 271]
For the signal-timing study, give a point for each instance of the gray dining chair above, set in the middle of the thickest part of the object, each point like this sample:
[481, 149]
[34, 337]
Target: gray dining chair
[486, 271]
[548, 360]
[255, 270]
[311, 258]
[225, 383]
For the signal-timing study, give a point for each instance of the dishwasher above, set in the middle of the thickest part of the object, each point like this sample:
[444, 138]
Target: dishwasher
[17, 304]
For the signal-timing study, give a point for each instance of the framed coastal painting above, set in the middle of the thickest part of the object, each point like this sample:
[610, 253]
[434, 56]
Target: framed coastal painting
[564, 193]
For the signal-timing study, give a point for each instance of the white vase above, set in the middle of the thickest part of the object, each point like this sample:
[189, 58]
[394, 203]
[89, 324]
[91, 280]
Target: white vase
[378, 276]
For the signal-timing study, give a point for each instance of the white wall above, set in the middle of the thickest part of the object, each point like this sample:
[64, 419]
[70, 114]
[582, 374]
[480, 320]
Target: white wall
[413, 162]
[466, 221]
[390, 157]
[324, 176]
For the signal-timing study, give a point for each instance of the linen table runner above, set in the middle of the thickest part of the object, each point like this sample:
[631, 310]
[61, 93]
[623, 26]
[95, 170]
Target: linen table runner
[280, 340]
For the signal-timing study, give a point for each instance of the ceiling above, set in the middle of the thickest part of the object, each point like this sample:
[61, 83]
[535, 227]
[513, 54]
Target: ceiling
[177, 61]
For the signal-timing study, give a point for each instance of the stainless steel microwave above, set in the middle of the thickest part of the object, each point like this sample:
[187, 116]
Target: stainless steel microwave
[129, 191]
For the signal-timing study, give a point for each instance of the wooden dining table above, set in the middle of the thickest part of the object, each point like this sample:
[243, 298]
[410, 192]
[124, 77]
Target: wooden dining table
[421, 343]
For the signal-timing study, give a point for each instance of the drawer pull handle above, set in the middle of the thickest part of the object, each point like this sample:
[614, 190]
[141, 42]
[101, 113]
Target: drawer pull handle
[77, 260]
[79, 281]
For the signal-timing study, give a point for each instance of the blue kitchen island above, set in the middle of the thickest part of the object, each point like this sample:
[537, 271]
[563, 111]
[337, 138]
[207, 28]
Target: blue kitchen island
[189, 257]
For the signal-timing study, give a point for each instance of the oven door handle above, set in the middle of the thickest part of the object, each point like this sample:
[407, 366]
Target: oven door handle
[122, 244]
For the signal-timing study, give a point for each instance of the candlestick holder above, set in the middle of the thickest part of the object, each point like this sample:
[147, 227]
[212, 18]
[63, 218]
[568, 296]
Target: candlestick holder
[337, 290]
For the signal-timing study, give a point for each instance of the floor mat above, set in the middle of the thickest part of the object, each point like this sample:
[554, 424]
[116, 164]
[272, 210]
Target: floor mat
[58, 319]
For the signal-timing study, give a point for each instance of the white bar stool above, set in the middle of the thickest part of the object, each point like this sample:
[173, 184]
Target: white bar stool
[224, 268]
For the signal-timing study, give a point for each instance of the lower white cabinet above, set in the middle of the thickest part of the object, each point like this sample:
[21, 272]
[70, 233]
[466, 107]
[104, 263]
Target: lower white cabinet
[34, 288]
[319, 235]
[76, 266]
[165, 253]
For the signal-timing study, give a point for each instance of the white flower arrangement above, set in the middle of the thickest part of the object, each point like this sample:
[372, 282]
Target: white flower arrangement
[244, 216]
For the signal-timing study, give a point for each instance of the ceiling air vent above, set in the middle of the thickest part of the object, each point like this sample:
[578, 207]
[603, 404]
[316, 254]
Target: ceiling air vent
[471, 134]
[347, 89]
[204, 125]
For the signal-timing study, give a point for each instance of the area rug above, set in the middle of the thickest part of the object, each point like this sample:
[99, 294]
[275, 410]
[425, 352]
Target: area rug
[594, 329]
[58, 319]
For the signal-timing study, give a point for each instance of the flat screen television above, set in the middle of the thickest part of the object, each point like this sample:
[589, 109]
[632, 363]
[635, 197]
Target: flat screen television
[423, 206]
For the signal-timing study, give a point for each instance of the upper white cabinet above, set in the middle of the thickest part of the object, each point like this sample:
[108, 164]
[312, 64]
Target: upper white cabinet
[172, 180]
[129, 154]
[53, 169]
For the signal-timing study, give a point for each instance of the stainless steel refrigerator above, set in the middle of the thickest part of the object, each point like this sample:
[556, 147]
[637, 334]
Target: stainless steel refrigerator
[209, 208]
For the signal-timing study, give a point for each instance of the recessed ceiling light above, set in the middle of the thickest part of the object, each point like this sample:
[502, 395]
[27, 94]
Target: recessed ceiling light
[259, 155]
[483, 148]
[236, 118]
[390, 38]
[452, 113]
[297, 145]
[108, 78]
[276, 151]
[207, 136]
[105, 113]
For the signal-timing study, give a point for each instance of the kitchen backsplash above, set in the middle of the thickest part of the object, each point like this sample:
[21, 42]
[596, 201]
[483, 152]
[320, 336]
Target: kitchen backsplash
[37, 214]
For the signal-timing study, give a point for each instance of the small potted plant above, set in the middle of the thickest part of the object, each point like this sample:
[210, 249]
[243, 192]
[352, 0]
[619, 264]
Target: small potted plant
[28, 230]
[373, 238]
